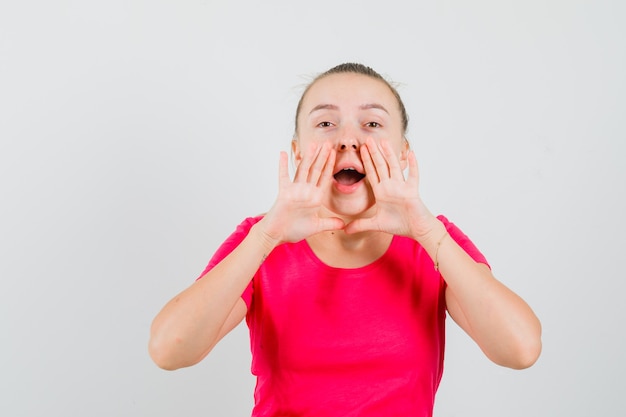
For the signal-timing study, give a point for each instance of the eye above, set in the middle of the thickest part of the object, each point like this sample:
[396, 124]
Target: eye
[373, 124]
[324, 124]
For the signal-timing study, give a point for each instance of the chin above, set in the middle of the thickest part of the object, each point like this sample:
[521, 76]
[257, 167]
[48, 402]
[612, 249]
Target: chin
[353, 205]
[350, 209]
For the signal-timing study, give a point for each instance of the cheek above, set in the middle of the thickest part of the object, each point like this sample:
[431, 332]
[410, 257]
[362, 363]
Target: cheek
[397, 144]
[313, 136]
[309, 141]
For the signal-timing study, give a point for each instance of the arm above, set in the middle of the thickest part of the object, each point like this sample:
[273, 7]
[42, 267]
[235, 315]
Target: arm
[497, 319]
[192, 323]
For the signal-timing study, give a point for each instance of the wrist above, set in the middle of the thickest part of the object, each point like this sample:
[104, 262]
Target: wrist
[265, 238]
[424, 226]
[430, 234]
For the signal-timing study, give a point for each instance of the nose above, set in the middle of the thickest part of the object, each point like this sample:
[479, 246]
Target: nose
[348, 140]
[343, 146]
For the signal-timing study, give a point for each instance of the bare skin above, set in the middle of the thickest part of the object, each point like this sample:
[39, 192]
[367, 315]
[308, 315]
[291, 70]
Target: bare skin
[348, 121]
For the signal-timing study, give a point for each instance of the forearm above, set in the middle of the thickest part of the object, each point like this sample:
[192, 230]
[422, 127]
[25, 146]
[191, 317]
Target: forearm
[188, 327]
[498, 320]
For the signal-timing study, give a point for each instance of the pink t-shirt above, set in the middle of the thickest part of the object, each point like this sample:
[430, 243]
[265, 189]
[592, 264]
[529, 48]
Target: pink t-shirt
[330, 341]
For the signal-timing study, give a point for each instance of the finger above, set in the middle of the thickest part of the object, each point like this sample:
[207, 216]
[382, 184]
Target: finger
[302, 172]
[380, 164]
[283, 168]
[327, 174]
[361, 225]
[395, 170]
[368, 165]
[413, 175]
[331, 223]
[319, 164]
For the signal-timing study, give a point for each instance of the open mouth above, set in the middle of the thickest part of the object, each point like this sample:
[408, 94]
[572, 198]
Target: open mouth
[348, 176]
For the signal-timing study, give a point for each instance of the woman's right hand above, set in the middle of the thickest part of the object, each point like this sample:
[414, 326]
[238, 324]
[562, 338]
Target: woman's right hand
[190, 325]
[295, 214]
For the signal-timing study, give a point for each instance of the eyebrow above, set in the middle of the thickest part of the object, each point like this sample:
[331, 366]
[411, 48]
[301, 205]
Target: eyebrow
[324, 107]
[373, 106]
[362, 107]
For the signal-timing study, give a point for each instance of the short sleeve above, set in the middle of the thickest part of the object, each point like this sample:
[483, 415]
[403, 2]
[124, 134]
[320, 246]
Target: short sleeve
[228, 246]
[463, 241]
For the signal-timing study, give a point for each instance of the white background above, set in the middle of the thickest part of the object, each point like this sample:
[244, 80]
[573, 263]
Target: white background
[135, 136]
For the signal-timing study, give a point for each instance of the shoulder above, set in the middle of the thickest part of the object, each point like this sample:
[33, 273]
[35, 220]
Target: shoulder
[244, 227]
[248, 222]
[232, 241]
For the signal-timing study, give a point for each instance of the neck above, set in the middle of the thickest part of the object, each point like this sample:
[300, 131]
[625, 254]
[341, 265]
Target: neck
[341, 250]
[350, 242]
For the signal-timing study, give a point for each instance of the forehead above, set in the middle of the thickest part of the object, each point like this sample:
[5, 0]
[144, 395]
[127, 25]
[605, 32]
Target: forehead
[347, 90]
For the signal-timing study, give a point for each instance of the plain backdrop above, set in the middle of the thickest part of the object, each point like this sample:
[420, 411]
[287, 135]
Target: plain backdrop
[136, 135]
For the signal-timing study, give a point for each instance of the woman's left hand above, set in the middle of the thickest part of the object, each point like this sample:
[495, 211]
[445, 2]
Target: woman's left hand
[500, 322]
[399, 209]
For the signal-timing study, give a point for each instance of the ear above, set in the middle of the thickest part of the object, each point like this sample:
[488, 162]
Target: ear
[404, 154]
[295, 151]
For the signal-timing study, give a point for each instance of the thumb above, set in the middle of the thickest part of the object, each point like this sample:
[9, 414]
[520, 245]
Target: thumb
[361, 225]
[331, 223]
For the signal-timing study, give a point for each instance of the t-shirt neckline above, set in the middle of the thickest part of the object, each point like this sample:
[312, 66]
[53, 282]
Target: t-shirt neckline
[372, 265]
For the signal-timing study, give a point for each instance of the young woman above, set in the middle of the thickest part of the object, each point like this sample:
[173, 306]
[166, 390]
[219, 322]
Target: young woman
[345, 282]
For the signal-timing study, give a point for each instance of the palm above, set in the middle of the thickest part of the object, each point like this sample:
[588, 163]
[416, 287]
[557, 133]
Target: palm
[399, 209]
[295, 214]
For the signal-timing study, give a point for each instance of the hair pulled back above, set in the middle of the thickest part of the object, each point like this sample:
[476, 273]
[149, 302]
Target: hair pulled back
[356, 68]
